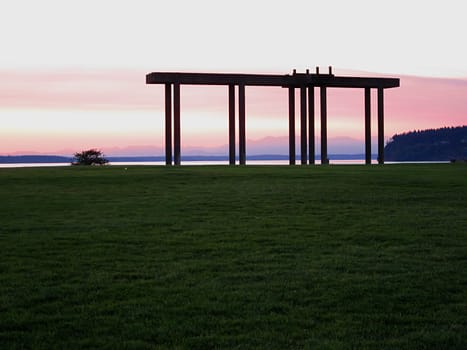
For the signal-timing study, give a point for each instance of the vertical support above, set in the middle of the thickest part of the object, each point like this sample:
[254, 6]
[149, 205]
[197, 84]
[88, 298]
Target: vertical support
[367, 125]
[241, 124]
[324, 127]
[311, 123]
[168, 124]
[303, 129]
[291, 126]
[380, 125]
[232, 124]
[176, 123]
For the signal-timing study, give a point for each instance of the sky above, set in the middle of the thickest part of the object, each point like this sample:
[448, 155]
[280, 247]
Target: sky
[72, 73]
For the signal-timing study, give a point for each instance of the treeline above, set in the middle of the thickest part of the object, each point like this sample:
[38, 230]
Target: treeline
[448, 143]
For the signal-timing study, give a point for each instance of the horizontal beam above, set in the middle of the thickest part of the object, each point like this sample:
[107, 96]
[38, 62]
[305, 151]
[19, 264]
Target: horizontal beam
[295, 80]
[215, 79]
[357, 82]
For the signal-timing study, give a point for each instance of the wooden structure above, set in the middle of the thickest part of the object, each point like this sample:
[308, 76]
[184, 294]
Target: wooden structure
[305, 82]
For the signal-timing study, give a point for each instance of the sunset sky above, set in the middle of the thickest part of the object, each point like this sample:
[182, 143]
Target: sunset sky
[72, 73]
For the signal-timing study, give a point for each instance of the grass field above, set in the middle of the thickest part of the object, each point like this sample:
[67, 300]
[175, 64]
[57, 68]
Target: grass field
[332, 257]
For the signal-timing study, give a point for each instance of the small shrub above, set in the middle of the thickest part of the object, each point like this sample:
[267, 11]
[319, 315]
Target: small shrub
[90, 157]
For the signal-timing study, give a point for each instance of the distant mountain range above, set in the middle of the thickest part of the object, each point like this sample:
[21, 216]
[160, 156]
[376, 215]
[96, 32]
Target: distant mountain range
[271, 145]
[442, 144]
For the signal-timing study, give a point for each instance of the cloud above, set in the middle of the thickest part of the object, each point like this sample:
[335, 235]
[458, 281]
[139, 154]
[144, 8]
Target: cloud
[76, 89]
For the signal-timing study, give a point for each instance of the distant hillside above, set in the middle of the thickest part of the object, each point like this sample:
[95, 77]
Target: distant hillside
[428, 145]
[34, 159]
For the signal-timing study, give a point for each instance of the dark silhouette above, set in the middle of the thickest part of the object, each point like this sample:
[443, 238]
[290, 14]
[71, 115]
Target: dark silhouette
[449, 143]
[89, 157]
[306, 82]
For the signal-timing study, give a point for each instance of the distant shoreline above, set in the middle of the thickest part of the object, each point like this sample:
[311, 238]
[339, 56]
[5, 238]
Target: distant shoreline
[62, 159]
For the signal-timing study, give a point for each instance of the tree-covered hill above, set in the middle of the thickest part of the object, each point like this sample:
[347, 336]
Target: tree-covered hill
[428, 145]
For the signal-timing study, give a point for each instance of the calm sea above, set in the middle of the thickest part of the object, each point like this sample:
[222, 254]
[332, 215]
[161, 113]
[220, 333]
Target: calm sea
[205, 162]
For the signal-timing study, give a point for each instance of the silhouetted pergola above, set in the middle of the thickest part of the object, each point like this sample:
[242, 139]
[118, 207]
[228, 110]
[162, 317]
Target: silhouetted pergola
[306, 82]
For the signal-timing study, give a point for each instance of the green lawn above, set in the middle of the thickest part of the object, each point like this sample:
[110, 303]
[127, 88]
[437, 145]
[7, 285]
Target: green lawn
[256, 257]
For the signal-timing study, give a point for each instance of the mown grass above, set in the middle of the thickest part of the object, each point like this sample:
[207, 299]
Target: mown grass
[336, 257]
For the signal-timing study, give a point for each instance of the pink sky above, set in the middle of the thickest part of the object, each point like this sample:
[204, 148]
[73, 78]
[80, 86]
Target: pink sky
[60, 111]
[72, 74]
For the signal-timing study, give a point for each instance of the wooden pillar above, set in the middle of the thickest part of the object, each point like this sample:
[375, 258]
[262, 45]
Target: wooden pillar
[177, 124]
[168, 124]
[232, 124]
[367, 126]
[324, 127]
[303, 129]
[291, 126]
[241, 124]
[380, 125]
[311, 124]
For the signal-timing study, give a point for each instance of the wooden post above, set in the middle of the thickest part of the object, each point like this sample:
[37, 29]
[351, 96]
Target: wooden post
[231, 124]
[324, 131]
[380, 125]
[177, 124]
[291, 126]
[311, 123]
[367, 126]
[168, 124]
[241, 124]
[303, 129]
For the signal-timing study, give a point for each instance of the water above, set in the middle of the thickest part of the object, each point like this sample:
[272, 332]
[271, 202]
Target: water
[210, 162]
